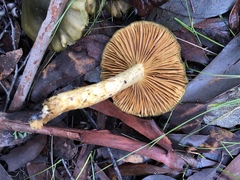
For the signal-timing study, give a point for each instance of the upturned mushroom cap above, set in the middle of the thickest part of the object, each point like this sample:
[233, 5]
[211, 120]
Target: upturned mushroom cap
[71, 28]
[164, 81]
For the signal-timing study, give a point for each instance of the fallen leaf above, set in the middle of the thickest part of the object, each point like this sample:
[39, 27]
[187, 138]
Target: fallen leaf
[167, 18]
[221, 139]
[198, 9]
[190, 48]
[21, 155]
[216, 29]
[8, 38]
[37, 171]
[231, 172]
[145, 7]
[146, 127]
[74, 62]
[3, 174]
[81, 160]
[8, 62]
[234, 17]
[157, 177]
[185, 112]
[208, 84]
[139, 169]
[206, 174]
[182, 141]
[226, 116]
[64, 148]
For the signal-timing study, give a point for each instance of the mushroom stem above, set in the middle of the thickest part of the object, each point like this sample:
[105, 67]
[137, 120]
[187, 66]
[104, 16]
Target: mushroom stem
[89, 95]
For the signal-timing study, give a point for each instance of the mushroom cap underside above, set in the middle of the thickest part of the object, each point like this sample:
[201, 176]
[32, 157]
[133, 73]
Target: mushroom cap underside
[164, 81]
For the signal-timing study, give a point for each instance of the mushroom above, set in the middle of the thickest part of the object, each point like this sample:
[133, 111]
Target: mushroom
[71, 27]
[117, 8]
[142, 71]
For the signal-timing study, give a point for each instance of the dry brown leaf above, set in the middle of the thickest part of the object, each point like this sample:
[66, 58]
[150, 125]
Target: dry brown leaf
[21, 155]
[8, 62]
[231, 172]
[75, 61]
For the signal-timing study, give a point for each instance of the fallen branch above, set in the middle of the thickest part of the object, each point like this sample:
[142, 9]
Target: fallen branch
[102, 138]
[37, 52]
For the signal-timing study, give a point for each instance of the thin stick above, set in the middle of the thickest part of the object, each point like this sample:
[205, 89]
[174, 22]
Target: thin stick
[97, 137]
[41, 43]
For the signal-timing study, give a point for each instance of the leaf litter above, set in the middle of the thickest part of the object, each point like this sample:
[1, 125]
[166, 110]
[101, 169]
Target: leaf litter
[211, 150]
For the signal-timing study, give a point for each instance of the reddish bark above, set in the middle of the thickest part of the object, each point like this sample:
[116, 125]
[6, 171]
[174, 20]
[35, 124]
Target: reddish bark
[101, 138]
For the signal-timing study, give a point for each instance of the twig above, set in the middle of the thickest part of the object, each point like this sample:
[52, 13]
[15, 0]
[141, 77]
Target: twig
[8, 92]
[97, 137]
[12, 27]
[115, 166]
[68, 172]
[41, 43]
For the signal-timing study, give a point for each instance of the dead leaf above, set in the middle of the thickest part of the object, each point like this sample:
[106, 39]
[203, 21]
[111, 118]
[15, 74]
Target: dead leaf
[157, 177]
[198, 9]
[206, 174]
[234, 17]
[226, 116]
[208, 84]
[75, 61]
[190, 48]
[166, 18]
[37, 171]
[221, 139]
[180, 141]
[184, 112]
[3, 174]
[21, 155]
[145, 7]
[231, 172]
[81, 160]
[146, 127]
[8, 62]
[64, 148]
[216, 29]
[139, 169]
[7, 38]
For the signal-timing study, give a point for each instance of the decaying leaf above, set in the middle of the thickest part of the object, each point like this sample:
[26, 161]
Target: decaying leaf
[226, 116]
[234, 17]
[117, 8]
[23, 154]
[190, 48]
[231, 172]
[221, 139]
[209, 83]
[8, 62]
[185, 112]
[139, 169]
[38, 170]
[74, 62]
[64, 148]
[214, 28]
[4, 174]
[198, 9]
[206, 174]
[145, 7]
